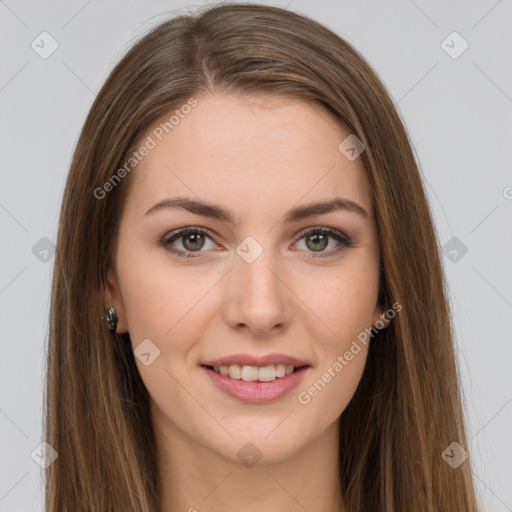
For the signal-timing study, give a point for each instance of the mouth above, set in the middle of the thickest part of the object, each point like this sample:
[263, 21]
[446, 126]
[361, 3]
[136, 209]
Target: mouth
[247, 373]
[256, 384]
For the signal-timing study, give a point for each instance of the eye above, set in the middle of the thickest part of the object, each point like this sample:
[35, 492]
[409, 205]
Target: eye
[193, 240]
[317, 239]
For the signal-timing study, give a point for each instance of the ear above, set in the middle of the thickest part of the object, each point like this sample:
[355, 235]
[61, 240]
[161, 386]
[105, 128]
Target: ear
[379, 319]
[113, 297]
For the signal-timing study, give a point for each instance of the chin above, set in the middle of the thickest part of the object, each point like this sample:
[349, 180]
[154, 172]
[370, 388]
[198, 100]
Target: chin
[260, 445]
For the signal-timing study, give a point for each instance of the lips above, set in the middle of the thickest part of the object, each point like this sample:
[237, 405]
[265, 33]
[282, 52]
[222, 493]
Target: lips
[251, 360]
[256, 379]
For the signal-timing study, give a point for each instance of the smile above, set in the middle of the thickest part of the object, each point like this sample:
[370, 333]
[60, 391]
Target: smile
[255, 384]
[254, 373]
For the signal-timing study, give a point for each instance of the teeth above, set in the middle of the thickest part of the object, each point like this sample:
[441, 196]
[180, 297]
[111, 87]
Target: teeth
[235, 371]
[252, 373]
[249, 373]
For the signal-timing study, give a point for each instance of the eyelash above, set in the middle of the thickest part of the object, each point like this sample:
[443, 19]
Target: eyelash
[344, 241]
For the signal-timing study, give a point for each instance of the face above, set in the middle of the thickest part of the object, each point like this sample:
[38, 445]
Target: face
[221, 263]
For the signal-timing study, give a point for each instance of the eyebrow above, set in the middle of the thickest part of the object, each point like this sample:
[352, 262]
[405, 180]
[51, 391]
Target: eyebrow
[294, 215]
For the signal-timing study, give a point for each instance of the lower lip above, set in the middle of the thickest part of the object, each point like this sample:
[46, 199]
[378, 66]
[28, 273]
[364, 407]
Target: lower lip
[257, 392]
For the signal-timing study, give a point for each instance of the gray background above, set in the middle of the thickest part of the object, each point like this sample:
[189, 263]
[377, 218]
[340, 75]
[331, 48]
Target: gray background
[458, 112]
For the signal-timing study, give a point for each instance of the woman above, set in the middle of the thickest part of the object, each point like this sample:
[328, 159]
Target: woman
[248, 306]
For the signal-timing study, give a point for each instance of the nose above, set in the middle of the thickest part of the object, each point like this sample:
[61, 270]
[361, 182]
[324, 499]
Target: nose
[257, 299]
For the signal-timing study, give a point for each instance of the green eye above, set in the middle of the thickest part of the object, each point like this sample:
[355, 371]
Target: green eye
[193, 241]
[317, 240]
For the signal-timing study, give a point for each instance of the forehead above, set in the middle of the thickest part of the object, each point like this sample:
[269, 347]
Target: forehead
[264, 151]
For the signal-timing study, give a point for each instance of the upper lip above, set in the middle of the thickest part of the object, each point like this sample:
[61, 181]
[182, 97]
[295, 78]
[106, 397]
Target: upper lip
[251, 360]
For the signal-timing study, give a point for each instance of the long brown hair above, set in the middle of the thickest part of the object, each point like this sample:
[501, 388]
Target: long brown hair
[407, 409]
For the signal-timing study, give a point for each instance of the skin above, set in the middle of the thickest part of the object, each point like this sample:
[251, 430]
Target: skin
[259, 158]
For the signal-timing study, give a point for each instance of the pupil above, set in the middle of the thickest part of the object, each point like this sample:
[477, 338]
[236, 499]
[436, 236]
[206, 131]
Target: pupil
[318, 237]
[197, 241]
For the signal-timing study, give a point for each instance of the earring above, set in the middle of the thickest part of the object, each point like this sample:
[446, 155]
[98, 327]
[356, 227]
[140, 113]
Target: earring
[111, 320]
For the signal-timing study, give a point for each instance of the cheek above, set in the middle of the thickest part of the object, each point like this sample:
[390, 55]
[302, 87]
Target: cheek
[343, 303]
[162, 302]
[329, 391]
[341, 352]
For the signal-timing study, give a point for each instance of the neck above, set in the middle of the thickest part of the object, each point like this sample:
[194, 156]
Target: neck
[194, 478]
